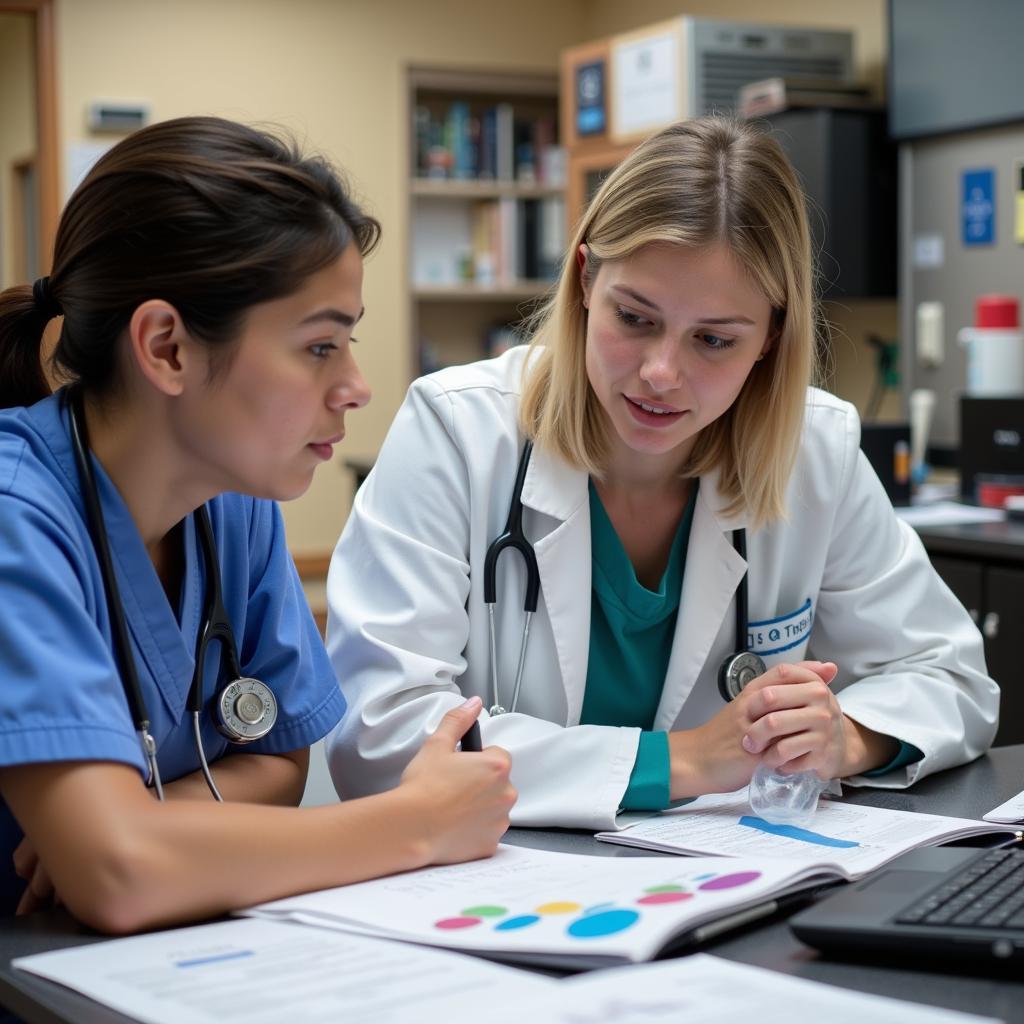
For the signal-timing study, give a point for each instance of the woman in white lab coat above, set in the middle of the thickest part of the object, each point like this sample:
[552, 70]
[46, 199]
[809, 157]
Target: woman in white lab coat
[667, 396]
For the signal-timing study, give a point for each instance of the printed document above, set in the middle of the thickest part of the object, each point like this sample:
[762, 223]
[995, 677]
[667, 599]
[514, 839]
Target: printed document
[258, 972]
[848, 840]
[560, 909]
[704, 989]
[1010, 813]
[261, 972]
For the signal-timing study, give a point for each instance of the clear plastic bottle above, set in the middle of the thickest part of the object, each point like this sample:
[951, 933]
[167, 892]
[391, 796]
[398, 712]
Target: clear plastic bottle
[785, 799]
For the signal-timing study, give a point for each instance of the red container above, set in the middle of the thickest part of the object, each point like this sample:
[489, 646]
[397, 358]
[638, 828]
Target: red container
[992, 489]
[998, 311]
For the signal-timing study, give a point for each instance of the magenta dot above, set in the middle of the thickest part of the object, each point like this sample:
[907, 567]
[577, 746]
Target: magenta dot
[731, 881]
[664, 897]
[451, 923]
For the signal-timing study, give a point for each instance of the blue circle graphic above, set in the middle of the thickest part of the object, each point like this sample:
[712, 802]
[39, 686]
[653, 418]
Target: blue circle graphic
[607, 922]
[513, 923]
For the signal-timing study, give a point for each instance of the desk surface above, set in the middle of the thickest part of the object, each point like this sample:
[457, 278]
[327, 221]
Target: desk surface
[967, 792]
[1001, 541]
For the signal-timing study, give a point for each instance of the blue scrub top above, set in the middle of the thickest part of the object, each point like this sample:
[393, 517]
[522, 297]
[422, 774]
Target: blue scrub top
[61, 697]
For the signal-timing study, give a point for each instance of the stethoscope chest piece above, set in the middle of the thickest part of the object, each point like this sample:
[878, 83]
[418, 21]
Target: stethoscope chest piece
[736, 671]
[246, 710]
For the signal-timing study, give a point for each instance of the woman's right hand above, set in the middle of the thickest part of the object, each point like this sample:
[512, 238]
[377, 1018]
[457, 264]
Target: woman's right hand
[465, 798]
[711, 758]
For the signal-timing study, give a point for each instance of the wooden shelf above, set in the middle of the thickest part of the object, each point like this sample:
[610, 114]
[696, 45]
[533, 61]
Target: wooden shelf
[470, 292]
[484, 81]
[506, 227]
[448, 188]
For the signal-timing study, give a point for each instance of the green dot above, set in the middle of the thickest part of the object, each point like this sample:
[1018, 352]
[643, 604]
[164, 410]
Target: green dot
[484, 911]
[665, 888]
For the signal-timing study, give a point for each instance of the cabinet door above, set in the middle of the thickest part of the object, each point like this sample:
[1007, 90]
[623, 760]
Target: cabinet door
[964, 579]
[1003, 627]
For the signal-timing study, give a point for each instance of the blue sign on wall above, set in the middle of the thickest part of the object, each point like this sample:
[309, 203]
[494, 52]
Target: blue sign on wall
[590, 112]
[978, 207]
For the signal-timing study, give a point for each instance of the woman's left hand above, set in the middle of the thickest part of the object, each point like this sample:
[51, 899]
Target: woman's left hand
[800, 727]
[39, 893]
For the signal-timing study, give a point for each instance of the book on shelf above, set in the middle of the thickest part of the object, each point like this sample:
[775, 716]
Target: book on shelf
[845, 841]
[489, 143]
[517, 240]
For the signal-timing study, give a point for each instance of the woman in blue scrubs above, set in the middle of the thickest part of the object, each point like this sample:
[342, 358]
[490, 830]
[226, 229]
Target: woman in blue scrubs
[209, 278]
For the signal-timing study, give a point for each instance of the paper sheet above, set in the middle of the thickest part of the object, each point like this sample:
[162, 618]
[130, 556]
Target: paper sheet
[258, 972]
[949, 513]
[263, 972]
[854, 838]
[1011, 812]
[707, 990]
[645, 82]
[535, 902]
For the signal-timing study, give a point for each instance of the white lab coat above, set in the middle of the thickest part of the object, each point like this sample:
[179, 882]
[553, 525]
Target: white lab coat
[408, 632]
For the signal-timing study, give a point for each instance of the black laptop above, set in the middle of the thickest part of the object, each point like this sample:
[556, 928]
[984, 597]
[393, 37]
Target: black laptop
[934, 902]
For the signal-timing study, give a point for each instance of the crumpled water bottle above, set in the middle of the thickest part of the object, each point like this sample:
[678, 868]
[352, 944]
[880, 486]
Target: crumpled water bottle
[785, 799]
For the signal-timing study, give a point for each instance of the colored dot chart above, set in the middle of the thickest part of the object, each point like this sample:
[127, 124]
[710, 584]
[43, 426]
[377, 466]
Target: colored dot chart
[598, 920]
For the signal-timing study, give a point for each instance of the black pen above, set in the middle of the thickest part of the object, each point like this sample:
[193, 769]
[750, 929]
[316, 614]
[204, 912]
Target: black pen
[471, 742]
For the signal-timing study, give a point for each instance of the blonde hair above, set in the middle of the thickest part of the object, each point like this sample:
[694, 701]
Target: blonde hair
[694, 184]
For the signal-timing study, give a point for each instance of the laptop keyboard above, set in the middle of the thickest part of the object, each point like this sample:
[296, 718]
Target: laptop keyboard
[987, 893]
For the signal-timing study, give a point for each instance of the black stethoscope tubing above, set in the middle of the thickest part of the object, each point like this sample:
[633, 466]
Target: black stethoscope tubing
[115, 609]
[735, 672]
[246, 708]
[513, 537]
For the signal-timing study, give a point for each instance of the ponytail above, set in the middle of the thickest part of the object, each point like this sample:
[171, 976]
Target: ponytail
[24, 314]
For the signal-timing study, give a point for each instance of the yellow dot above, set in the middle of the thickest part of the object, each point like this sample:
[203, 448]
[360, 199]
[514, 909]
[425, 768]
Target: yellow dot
[559, 908]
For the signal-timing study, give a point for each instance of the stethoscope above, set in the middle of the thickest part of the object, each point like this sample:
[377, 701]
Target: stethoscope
[246, 708]
[735, 672]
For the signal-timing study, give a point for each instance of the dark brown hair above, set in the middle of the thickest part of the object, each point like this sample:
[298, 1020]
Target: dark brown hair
[210, 215]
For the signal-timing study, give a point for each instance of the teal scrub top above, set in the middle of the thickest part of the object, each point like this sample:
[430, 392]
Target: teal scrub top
[631, 633]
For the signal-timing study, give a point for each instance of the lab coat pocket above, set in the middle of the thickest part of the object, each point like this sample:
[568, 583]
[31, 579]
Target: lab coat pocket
[782, 638]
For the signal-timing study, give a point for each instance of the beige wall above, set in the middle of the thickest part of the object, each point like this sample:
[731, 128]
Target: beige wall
[850, 371]
[17, 127]
[332, 71]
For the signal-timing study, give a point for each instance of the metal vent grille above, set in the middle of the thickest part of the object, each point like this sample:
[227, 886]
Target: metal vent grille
[720, 76]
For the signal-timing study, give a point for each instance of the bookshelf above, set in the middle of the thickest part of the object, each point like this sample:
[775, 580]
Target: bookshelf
[486, 188]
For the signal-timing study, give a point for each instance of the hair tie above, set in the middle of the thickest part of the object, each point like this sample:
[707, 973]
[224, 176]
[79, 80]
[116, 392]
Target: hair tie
[47, 304]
